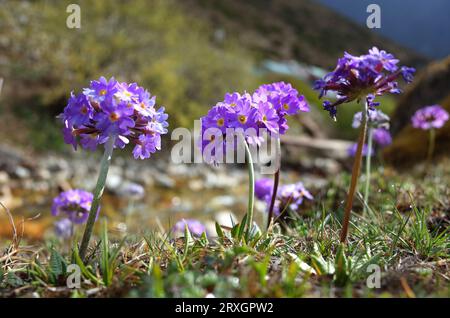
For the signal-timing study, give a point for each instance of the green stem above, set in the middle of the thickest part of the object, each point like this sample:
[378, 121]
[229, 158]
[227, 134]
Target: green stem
[251, 186]
[368, 161]
[276, 179]
[355, 174]
[104, 167]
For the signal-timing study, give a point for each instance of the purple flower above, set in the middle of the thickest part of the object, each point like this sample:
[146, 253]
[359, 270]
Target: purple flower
[64, 228]
[352, 150]
[376, 119]
[195, 227]
[382, 137]
[146, 145]
[74, 204]
[243, 114]
[263, 188]
[289, 197]
[108, 109]
[430, 117]
[365, 76]
[265, 110]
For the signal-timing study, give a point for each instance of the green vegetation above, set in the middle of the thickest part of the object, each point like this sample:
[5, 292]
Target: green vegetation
[405, 233]
[152, 42]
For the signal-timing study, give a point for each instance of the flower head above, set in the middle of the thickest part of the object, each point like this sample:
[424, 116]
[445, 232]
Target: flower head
[74, 204]
[64, 228]
[109, 109]
[352, 150]
[195, 227]
[264, 110]
[289, 197]
[430, 117]
[376, 119]
[263, 188]
[365, 76]
[382, 137]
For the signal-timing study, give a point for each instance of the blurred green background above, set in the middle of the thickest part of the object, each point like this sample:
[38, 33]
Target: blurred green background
[187, 53]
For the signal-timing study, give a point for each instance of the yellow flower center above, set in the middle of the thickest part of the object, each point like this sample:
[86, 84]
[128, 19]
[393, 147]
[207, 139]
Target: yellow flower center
[286, 106]
[220, 122]
[242, 119]
[103, 92]
[264, 118]
[113, 116]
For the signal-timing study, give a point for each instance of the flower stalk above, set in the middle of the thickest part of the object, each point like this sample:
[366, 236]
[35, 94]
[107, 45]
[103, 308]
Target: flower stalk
[98, 192]
[276, 179]
[355, 175]
[251, 186]
[368, 166]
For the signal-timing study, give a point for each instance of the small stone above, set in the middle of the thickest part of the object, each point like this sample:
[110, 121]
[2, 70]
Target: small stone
[226, 218]
[222, 201]
[195, 185]
[22, 172]
[4, 178]
[164, 180]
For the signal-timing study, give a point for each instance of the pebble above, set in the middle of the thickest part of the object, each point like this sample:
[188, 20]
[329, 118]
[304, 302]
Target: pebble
[226, 218]
[22, 172]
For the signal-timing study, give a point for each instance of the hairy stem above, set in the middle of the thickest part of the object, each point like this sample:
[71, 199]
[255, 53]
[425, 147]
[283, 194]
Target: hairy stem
[276, 179]
[368, 162]
[100, 186]
[251, 186]
[355, 175]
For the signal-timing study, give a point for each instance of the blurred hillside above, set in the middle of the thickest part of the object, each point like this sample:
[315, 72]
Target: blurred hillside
[295, 29]
[187, 52]
[151, 42]
[431, 86]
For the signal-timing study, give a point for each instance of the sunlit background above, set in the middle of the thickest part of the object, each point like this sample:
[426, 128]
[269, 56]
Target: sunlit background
[189, 53]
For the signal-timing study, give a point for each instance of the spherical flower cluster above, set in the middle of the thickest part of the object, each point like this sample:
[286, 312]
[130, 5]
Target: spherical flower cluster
[430, 117]
[196, 228]
[375, 119]
[382, 137]
[73, 204]
[352, 150]
[365, 76]
[263, 188]
[263, 111]
[289, 197]
[64, 228]
[379, 123]
[110, 109]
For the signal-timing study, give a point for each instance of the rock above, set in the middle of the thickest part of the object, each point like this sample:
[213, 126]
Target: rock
[327, 165]
[410, 145]
[225, 218]
[43, 174]
[163, 180]
[195, 185]
[114, 179]
[181, 206]
[4, 178]
[139, 174]
[210, 229]
[220, 180]
[222, 201]
[21, 172]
